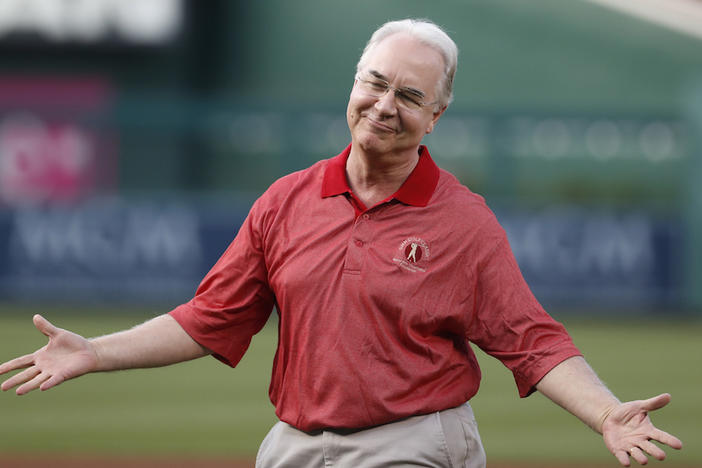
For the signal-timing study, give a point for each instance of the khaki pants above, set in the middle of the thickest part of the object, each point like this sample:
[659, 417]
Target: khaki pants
[446, 439]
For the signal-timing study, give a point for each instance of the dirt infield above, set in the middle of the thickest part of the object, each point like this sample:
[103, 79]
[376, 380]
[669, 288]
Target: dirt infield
[146, 462]
[89, 462]
[96, 462]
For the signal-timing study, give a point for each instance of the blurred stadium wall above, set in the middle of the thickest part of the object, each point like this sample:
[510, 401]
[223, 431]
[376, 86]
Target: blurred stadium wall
[135, 135]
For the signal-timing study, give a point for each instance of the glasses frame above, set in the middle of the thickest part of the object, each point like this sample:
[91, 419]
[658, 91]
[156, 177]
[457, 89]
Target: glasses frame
[398, 92]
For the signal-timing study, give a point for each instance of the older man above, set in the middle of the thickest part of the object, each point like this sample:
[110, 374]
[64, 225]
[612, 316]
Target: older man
[383, 269]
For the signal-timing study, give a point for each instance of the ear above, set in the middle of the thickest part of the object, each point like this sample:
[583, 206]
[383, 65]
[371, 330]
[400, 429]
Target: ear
[434, 119]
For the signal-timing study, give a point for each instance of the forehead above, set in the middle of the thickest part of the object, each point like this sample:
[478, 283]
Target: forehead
[406, 61]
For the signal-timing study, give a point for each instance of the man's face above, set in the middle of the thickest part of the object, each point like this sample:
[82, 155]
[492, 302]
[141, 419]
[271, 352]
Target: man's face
[383, 124]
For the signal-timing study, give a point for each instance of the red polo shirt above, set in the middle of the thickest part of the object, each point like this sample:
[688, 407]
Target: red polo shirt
[377, 306]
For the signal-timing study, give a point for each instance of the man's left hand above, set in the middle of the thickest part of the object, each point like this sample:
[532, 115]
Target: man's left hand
[629, 432]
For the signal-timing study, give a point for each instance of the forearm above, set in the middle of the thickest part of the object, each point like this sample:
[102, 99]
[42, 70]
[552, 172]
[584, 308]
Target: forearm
[158, 342]
[573, 385]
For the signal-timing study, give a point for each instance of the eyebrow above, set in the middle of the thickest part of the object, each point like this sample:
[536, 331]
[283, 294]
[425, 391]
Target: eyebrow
[415, 91]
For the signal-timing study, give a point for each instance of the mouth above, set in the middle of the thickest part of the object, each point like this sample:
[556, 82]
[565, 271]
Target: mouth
[378, 125]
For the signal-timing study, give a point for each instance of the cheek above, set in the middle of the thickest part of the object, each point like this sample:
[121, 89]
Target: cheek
[351, 115]
[354, 109]
[359, 101]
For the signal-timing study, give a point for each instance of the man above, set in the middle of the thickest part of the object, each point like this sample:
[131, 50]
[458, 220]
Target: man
[383, 269]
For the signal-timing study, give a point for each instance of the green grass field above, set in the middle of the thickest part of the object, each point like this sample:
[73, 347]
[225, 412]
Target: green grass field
[203, 408]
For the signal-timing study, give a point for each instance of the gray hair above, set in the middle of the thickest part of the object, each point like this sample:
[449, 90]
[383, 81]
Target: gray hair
[427, 33]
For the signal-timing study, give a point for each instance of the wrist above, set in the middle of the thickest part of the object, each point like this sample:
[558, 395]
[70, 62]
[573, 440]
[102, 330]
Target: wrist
[99, 354]
[604, 415]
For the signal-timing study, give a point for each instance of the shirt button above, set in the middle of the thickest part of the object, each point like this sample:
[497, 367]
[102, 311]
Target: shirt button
[366, 216]
[359, 243]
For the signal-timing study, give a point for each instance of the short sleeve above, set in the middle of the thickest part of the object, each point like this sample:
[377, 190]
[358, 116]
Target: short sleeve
[233, 301]
[510, 324]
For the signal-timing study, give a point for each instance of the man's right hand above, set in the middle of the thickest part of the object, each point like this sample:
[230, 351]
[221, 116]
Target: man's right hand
[66, 356]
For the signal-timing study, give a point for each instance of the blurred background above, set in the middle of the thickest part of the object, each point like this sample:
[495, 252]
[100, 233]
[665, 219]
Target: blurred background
[134, 136]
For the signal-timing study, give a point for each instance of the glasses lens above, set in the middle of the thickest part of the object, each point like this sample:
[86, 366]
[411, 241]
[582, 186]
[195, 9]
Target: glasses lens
[374, 87]
[377, 88]
[408, 101]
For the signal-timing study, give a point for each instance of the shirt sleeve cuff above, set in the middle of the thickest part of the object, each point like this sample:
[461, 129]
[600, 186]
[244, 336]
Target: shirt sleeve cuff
[227, 347]
[527, 378]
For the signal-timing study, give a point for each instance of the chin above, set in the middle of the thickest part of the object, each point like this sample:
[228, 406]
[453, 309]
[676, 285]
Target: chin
[373, 144]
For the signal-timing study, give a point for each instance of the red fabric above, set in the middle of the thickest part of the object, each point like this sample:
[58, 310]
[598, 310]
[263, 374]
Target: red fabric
[376, 311]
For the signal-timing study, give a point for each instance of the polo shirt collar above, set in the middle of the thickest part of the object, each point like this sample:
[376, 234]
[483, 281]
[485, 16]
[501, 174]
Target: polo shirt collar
[415, 191]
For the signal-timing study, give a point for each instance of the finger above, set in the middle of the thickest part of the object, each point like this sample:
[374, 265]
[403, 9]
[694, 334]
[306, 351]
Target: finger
[653, 450]
[622, 457]
[51, 382]
[20, 378]
[17, 363]
[32, 384]
[656, 402]
[44, 326]
[667, 439]
[638, 455]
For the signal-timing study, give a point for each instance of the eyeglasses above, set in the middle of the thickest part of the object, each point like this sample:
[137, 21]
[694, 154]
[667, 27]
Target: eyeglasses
[406, 98]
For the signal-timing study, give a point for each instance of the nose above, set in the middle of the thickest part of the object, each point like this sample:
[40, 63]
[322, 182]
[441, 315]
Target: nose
[386, 103]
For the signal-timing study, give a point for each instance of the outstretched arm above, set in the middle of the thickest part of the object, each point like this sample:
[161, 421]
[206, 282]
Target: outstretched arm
[158, 342]
[626, 427]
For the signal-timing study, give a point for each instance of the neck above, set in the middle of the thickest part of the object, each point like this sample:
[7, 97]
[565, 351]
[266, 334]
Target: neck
[375, 177]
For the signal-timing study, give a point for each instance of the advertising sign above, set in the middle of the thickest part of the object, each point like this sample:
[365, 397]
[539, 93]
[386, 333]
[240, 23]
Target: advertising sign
[54, 145]
[112, 249]
[576, 256]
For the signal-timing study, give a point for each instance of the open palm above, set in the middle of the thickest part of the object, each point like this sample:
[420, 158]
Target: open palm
[66, 356]
[628, 431]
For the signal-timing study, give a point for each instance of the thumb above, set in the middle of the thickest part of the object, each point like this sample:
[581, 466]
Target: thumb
[44, 326]
[656, 402]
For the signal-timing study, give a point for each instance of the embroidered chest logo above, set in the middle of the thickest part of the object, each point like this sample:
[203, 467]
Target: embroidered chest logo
[413, 255]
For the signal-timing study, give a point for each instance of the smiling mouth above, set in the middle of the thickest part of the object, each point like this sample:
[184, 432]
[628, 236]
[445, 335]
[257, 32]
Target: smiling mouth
[380, 126]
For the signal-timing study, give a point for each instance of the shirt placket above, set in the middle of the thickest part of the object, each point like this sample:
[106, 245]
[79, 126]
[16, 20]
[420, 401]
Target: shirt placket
[358, 244]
